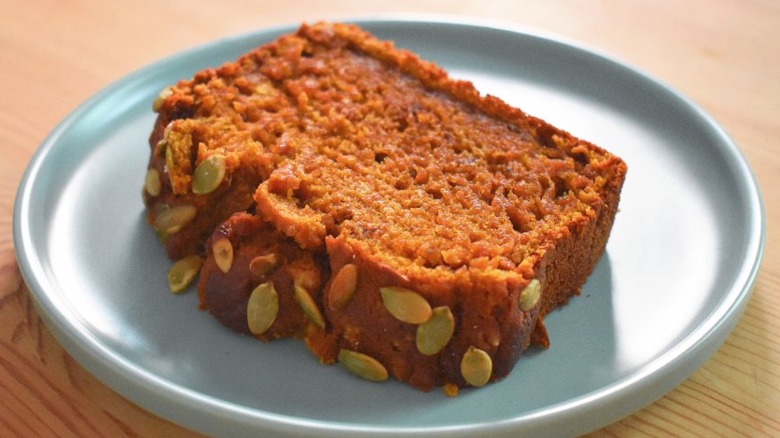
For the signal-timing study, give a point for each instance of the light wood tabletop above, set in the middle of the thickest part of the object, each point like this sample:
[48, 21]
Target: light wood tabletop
[724, 56]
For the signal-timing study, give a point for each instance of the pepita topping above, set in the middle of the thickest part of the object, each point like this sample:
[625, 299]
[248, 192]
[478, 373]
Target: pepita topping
[222, 249]
[169, 220]
[342, 287]
[362, 365]
[263, 264]
[406, 305]
[170, 158]
[182, 272]
[208, 175]
[262, 308]
[309, 306]
[152, 182]
[433, 335]
[160, 100]
[476, 366]
[530, 295]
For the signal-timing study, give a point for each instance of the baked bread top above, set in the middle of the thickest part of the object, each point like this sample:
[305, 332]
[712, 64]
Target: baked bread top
[348, 135]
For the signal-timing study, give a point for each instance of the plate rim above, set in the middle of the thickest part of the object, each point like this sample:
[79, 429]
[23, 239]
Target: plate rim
[175, 402]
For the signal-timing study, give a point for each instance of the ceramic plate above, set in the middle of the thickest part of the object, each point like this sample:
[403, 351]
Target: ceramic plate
[675, 278]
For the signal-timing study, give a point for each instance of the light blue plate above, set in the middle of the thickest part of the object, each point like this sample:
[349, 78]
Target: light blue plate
[676, 276]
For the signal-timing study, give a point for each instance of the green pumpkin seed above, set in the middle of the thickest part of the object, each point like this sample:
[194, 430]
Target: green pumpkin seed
[362, 365]
[406, 305]
[343, 287]
[208, 175]
[262, 308]
[434, 334]
[160, 100]
[530, 295]
[263, 264]
[222, 249]
[170, 220]
[170, 159]
[152, 183]
[182, 272]
[476, 367]
[160, 148]
[309, 306]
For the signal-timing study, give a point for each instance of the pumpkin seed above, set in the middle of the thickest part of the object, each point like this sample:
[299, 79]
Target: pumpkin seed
[309, 306]
[434, 334]
[170, 220]
[476, 366]
[262, 308]
[208, 175]
[160, 148]
[170, 159]
[222, 249]
[362, 365]
[152, 182]
[263, 264]
[406, 305]
[530, 295]
[342, 287]
[160, 100]
[182, 272]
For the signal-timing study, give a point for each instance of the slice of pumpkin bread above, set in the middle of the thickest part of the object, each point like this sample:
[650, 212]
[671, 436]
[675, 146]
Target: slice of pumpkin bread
[417, 229]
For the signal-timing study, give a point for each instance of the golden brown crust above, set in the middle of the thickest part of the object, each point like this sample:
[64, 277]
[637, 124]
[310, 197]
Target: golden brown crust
[351, 155]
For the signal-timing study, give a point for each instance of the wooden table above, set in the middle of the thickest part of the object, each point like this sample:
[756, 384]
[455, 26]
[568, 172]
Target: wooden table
[724, 55]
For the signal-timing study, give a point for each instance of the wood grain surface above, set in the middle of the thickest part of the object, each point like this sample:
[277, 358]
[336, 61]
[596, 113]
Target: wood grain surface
[724, 55]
